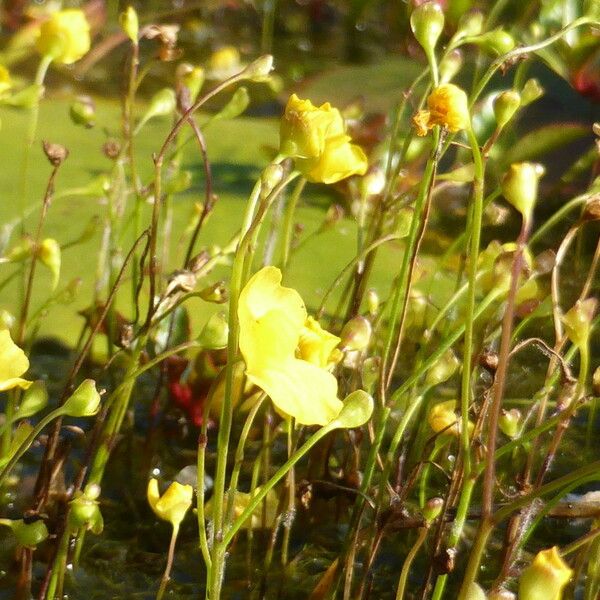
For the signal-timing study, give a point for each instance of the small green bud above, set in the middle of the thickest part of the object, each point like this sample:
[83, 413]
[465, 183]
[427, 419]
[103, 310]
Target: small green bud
[7, 319]
[510, 422]
[596, 381]
[216, 293]
[442, 370]
[356, 334]
[49, 255]
[532, 90]
[451, 65]
[427, 24]
[192, 78]
[372, 301]
[373, 183]
[128, 20]
[270, 178]
[215, 333]
[505, 106]
[83, 111]
[85, 401]
[357, 410]
[470, 24]
[475, 592]
[162, 104]
[520, 186]
[259, 69]
[432, 509]
[34, 400]
[496, 41]
[85, 513]
[370, 372]
[28, 534]
[578, 321]
[236, 106]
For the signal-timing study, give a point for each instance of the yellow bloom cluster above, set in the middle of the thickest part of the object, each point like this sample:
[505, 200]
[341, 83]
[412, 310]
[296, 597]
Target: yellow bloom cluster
[287, 353]
[315, 136]
[447, 106]
[65, 36]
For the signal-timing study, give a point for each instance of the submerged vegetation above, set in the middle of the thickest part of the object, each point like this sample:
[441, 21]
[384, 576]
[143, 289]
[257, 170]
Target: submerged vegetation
[359, 362]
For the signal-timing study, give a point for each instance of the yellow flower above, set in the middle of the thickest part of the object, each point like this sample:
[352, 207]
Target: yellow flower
[545, 578]
[5, 82]
[224, 62]
[173, 504]
[316, 137]
[317, 345]
[447, 106]
[442, 418]
[13, 363]
[272, 320]
[65, 36]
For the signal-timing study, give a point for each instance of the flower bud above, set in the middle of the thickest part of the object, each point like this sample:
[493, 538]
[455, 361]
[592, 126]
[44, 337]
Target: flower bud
[84, 402]
[237, 104]
[372, 301]
[475, 592]
[29, 534]
[578, 321]
[505, 106]
[370, 372]
[85, 513]
[427, 24]
[356, 411]
[442, 370]
[496, 41]
[545, 578]
[55, 153]
[259, 69]
[532, 90]
[373, 183]
[65, 36]
[470, 24]
[447, 106]
[216, 293]
[162, 104]
[49, 255]
[510, 422]
[192, 78]
[356, 334]
[34, 400]
[215, 333]
[173, 504]
[596, 381]
[270, 178]
[451, 65]
[128, 20]
[432, 509]
[520, 186]
[83, 111]
[7, 319]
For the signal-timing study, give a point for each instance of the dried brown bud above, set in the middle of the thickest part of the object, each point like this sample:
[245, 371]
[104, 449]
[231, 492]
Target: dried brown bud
[489, 360]
[55, 153]
[591, 211]
[111, 149]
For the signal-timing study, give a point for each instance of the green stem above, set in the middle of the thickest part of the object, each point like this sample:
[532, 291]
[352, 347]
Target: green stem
[288, 221]
[408, 562]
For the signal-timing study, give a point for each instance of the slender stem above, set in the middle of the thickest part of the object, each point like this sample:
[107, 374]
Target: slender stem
[414, 549]
[170, 556]
[288, 221]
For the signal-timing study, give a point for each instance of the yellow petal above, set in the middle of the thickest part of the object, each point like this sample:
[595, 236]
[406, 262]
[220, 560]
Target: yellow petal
[173, 504]
[13, 363]
[153, 495]
[65, 36]
[301, 390]
[339, 160]
[271, 319]
[316, 344]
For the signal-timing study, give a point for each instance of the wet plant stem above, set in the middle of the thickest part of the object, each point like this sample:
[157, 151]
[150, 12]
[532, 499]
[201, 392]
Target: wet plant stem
[410, 557]
[170, 556]
[489, 475]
